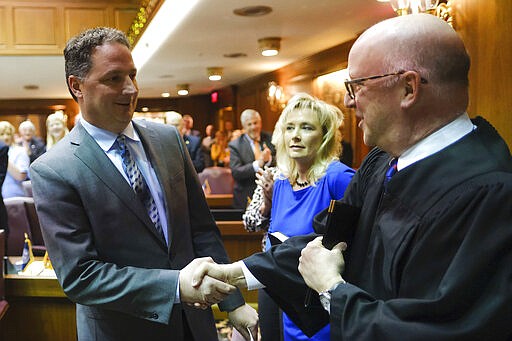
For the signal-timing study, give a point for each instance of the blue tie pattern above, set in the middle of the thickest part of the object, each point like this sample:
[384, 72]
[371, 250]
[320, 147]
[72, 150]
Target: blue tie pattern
[390, 172]
[138, 183]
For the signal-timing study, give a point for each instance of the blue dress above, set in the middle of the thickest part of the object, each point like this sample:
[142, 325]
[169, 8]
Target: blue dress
[292, 214]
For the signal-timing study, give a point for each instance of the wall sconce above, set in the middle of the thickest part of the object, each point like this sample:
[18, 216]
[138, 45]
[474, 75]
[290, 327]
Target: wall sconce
[269, 46]
[182, 89]
[276, 97]
[214, 73]
[442, 10]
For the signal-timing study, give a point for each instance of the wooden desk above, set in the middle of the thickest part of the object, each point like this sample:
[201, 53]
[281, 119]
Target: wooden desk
[39, 310]
[240, 244]
[219, 200]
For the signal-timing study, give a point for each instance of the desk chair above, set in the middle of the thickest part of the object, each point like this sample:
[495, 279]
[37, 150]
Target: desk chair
[219, 179]
[19, 223]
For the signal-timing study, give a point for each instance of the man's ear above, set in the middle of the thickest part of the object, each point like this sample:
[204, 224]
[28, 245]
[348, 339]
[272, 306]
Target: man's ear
[75, 86]
[411, 88]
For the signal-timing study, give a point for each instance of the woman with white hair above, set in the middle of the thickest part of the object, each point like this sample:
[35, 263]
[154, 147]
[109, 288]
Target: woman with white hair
[17, 169]
[34, 146]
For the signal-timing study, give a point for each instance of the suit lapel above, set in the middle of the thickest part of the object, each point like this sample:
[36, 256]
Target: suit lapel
[94, 158]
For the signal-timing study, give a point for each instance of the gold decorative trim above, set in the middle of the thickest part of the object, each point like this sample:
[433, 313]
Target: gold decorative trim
[144, 15]
[445, 11]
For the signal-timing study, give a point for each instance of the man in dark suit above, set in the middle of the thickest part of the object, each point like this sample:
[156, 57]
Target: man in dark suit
[248, 153]
[127, 267]
[192, 142]
[4, 161]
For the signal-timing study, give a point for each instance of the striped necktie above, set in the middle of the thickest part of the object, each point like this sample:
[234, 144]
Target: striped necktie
[138, 183]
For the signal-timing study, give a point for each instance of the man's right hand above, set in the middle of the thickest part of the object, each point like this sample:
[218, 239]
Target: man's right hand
[228, 273]
[209, 291]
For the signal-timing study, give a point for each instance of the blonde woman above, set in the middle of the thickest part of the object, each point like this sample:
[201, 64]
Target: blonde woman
[307, 139]
[56, 128]
[17, 169]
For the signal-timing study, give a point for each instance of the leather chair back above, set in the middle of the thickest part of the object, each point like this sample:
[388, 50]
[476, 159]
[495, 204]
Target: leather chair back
[219, 178]
[18, 225]
[22, 218]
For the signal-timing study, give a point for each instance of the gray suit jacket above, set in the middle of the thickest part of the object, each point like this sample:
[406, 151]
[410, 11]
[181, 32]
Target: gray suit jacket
[241, 157]
[108, 257]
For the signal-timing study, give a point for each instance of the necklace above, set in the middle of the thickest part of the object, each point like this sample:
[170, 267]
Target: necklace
[301, 184]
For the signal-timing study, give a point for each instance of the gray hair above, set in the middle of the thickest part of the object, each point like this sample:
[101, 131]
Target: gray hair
[247, 114]
[79, 50]
[27, 125]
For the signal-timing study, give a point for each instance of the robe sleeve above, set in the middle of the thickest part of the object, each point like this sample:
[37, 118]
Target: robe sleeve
[470, 298]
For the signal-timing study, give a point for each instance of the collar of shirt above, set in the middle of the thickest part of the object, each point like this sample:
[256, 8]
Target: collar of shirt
[105, 138]
[436, 141]
[251, 141]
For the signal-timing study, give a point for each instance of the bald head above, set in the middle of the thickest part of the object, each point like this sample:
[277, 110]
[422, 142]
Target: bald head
[420, 42]
[413, 80]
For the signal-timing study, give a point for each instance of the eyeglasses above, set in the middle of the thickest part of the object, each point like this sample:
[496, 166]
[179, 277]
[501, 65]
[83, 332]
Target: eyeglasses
[350, 85]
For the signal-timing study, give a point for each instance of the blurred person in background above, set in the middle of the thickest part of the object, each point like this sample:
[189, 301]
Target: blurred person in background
[250, 152]
[56, 128]
[19, 162]
[193, 143]
[34, 145]
[189, 125]
[220, 150]
[206, 145]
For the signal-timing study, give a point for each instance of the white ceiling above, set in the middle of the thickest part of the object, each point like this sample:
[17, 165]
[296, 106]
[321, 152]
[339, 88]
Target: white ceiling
[210, 31]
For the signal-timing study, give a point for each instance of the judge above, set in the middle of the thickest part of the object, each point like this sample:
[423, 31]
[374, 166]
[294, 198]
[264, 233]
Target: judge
[430, 257]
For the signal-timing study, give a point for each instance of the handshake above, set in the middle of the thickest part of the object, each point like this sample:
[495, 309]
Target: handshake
[203, 283]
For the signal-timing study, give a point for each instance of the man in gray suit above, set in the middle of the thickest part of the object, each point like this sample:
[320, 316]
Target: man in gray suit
[249, 153]
[127, 268]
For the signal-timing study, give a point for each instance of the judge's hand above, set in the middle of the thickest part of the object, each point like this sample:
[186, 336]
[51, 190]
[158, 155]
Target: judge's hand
[208, 292]
[321, 268]
[245, 320]
[228, 273]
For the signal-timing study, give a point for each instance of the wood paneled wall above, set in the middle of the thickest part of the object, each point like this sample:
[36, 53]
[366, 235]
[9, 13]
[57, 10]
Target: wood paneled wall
[24, 28]
[486, 28]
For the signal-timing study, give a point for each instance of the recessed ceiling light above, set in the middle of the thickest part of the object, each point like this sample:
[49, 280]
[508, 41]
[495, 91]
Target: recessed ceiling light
[253, 11]
[183, 89]
[165, 94]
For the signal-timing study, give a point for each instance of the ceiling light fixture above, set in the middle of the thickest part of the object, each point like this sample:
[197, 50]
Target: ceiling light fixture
[165, 94]
[214, 73]
[269, 46]
[441, 9]
[182, 89]
[253, 11]
[165, 21]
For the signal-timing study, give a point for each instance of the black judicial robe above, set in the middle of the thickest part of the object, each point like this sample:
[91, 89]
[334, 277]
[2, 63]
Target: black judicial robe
[431, 258]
